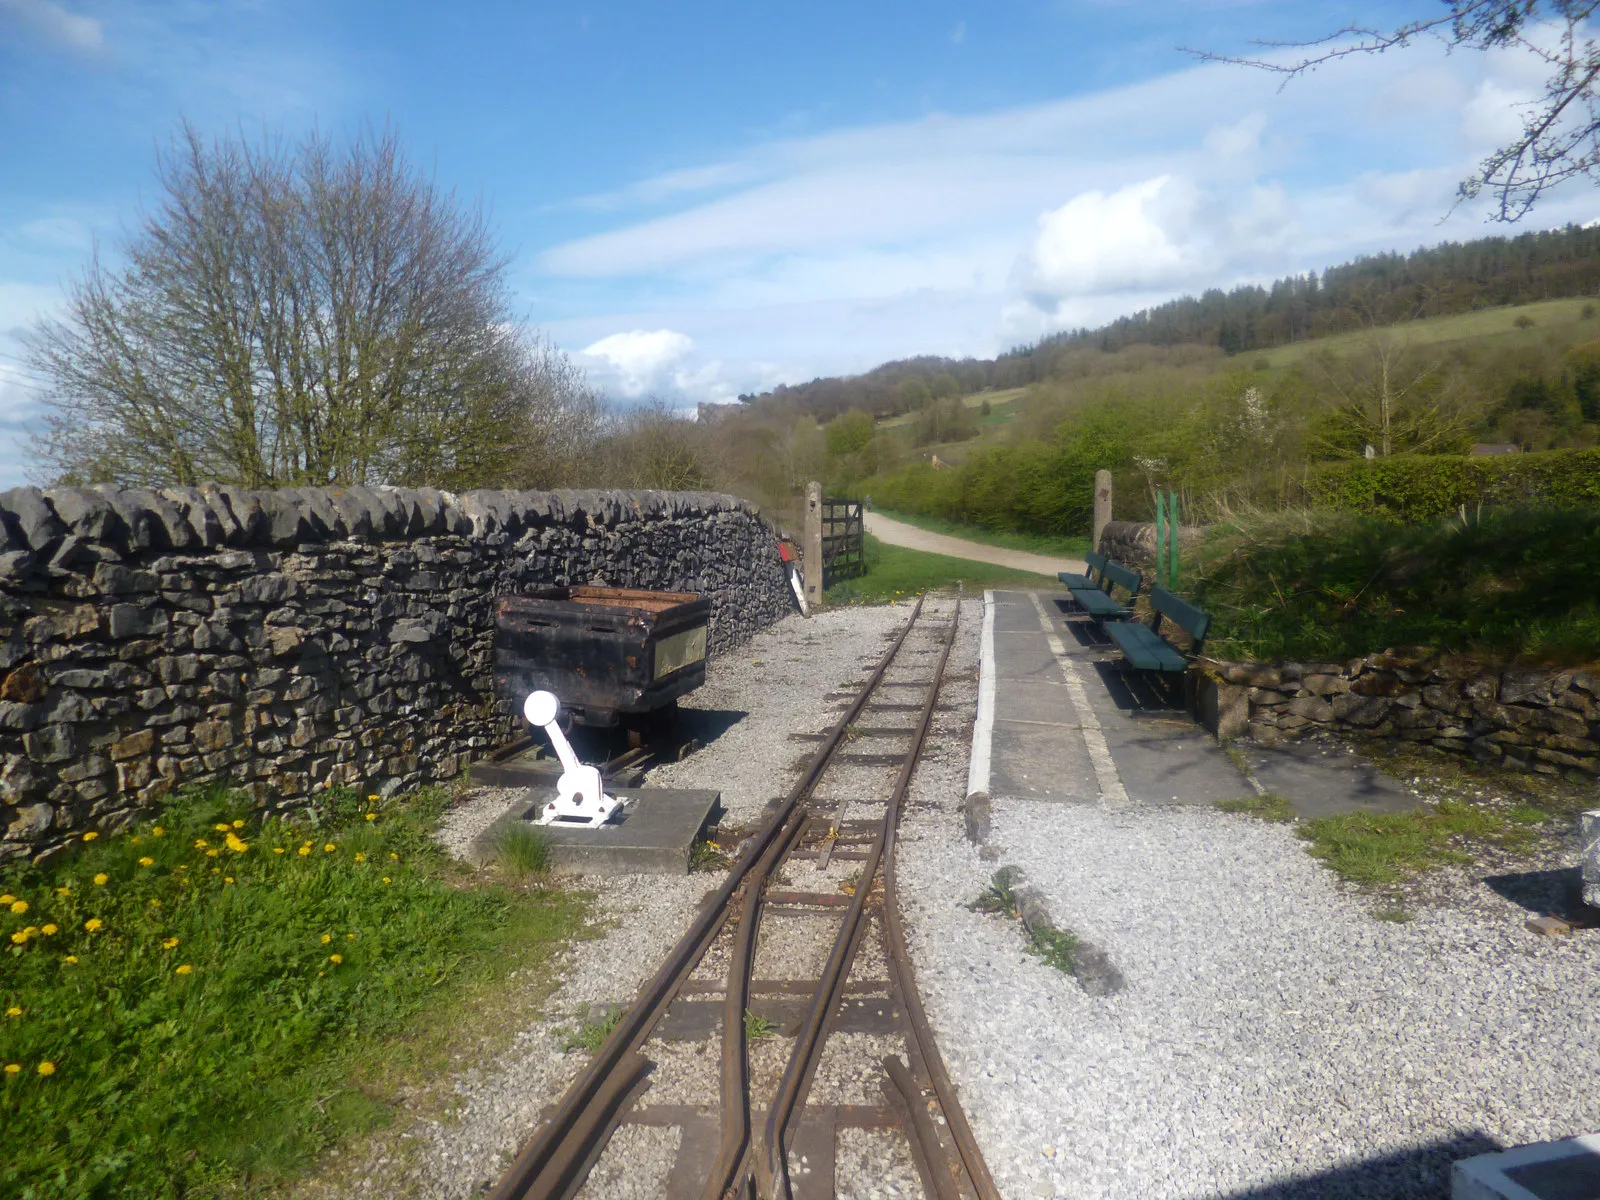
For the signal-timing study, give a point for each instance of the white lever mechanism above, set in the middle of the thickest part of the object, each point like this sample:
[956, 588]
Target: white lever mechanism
[580, 798]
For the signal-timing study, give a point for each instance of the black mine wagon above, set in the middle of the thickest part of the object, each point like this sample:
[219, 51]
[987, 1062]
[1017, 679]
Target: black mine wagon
[604, 652]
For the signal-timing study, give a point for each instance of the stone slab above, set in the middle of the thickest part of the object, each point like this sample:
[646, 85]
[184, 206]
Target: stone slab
[1565, 1170]
[1321, 780]
[1589, 868]
[652, 837]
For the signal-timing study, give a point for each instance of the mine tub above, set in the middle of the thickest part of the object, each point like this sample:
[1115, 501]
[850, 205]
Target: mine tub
[605, 652]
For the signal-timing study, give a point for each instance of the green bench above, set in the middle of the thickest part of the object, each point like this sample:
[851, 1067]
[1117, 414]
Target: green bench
[1096, 562]
[1101, 602]
[1145, 648]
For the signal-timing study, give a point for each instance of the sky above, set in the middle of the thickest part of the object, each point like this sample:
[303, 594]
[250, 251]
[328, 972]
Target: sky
[705, 199]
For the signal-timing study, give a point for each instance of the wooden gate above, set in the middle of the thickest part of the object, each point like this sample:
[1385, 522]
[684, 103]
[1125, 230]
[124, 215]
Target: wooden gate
[844, 542]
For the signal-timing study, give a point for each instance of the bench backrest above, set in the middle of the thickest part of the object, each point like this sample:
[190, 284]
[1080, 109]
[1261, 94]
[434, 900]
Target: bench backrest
[1095, 561]
[1193, 621]
[1121, 576]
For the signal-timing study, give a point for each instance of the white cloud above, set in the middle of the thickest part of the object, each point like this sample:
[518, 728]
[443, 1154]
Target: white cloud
[53, 24]
[640, 360]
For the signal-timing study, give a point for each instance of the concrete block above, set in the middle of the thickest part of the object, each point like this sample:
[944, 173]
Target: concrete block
[653, 836]
[1589, 831]
[1564, 1170]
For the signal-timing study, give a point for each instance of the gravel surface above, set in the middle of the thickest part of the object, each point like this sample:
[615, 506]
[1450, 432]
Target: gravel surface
[875, 1164]
[634, 1165]
[1272, 1030]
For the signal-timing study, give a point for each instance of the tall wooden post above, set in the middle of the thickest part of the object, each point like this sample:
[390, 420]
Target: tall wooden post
[813, 547]
[1102, 504]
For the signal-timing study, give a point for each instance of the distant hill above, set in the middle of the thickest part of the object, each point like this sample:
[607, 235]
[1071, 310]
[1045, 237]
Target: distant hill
[1450, 278]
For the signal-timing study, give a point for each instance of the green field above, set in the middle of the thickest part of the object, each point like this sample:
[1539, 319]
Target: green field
[893, 573]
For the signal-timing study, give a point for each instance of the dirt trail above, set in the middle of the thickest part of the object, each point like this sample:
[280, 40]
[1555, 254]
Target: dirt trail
[898, 533]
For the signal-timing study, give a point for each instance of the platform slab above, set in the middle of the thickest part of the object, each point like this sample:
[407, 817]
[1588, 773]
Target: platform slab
[1564, 1170]
[652, 837]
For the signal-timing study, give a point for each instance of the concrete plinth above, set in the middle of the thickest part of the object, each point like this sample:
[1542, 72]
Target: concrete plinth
[653, 835]
[1589, 831]
[1564, 1170]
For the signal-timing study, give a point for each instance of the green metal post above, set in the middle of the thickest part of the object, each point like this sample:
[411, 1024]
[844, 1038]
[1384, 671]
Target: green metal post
[1173, 526]
[1161, 535]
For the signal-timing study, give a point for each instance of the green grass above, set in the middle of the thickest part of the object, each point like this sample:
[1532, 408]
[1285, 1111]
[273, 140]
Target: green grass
[757, 1028]
[1376, 849]
[592, 1034]
[1055, 946]
[706, 855]
[1268, 807]
[522, 850]
[1500, 584]
[894, 572]
[220, 996]
[1033, 543]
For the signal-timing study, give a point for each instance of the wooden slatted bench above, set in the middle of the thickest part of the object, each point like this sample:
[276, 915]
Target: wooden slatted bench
[1101, 602]
[1144, 647]
[1071, 579]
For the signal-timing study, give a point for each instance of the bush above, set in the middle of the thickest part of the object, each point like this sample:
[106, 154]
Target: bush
[1509, 583]
[1423, 488]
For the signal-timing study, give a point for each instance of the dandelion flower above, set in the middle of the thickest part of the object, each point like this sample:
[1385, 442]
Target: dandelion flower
[238, 823]
[186, 969]
[227, 879]
[386, 879]
[212, 853]
[102, 879]
[19, 907]
[13, 1068]
[60, 891]
[134, 840]
[237, 845]
[70, 959]
[277, 849]
[200, 843]
[47, 1068]
[336, 959]
[394, 856]
[94, 924]
[13, 1011]
[20, 937]
[349, 937]
[372, 816]
[329, 848]
[361, 857]
[216, 870]
[304, 850]
[222, 828]
[7, 898]
[147, 861]
[154, 903]
[373, 799]
[158, 832]
[90, 836]
[326, 938]
[49, 930]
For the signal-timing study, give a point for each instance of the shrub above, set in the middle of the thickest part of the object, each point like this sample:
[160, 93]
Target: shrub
[1422, 488]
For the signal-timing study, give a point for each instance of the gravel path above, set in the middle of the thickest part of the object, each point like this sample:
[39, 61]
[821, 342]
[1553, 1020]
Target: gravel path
[1273, 1034]
[898, 533]
[779, 681]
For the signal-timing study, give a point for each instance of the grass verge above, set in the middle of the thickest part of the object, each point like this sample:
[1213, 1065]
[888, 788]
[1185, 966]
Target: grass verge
[894, 572]
[1033, 543]
[202, 1003]
[1268, 807]
[1377, 849]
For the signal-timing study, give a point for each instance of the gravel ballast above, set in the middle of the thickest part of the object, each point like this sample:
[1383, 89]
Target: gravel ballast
[1272, 1032]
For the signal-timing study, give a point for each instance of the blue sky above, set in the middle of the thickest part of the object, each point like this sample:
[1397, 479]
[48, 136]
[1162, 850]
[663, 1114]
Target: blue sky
[711, 198]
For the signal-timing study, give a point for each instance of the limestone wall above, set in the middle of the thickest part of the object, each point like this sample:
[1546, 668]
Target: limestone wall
[1545, 721]
[294, 639]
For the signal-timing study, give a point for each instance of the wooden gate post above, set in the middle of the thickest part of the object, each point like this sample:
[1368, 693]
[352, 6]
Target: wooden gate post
[1102, 505]
[812, 550]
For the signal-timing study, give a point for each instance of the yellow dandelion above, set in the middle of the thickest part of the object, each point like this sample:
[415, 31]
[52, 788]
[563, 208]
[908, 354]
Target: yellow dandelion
[186, 969]
[20, 937]
[90, 836]
[169, 943]
[8, 898]
[237, 845]
[154, 903]
[70, 959]
[49, 930]
[47, 1068]
[349, 937]
[94, 924]
[158, 832]
[222, 828]
[326, 938]
[329, 847]
[13, 1011]
[147, 861]
[134, 840]
[394, 856]
[238, 823]
[372, 799]
[386, 879]
[212, 853]
[277, 849]
[60, 891]
[360, 857]
[19, 907]
[227, 879]
[216, 870]
[336, 959]
[372, 816]
[304, 850]
[13, 1068]
[200, 843]
[102, 879]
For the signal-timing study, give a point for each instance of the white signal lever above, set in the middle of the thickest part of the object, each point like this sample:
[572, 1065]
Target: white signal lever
[580, 798]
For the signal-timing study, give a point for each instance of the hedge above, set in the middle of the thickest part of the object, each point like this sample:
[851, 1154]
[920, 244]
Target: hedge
[1418, 488]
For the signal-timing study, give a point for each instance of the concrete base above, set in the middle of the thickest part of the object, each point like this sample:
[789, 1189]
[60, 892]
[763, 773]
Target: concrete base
[652, 837]
[1564, 1170]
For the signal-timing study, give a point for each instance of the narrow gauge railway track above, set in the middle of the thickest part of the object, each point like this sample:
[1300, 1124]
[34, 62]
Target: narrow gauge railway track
[762, 1133]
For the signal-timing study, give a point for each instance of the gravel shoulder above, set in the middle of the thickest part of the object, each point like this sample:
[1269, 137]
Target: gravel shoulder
[1273, 1034]
[779, 681]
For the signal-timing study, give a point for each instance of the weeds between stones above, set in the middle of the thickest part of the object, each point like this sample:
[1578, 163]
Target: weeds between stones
[998, 897]
[522, 851]
[591, 1035]
[757, 1028]
[706, 855]
[1055, 946]
[1269, 807]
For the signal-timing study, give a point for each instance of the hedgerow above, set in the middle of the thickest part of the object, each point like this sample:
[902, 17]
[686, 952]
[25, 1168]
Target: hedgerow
[1424, 487]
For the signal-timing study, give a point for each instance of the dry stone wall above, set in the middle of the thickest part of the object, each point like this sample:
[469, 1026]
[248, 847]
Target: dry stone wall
[296, 639]
[1539, 720]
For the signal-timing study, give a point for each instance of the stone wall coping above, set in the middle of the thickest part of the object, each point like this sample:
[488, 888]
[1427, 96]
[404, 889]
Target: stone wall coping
[71, 526]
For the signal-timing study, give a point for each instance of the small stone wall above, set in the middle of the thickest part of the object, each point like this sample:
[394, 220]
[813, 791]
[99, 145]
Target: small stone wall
[296, 639]
[1133, 544]
[1546, 721]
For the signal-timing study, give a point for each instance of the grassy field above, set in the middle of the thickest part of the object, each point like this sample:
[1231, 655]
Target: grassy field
[1000, 405]
[894, 573]
[197, 1006]
[1033, 543]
